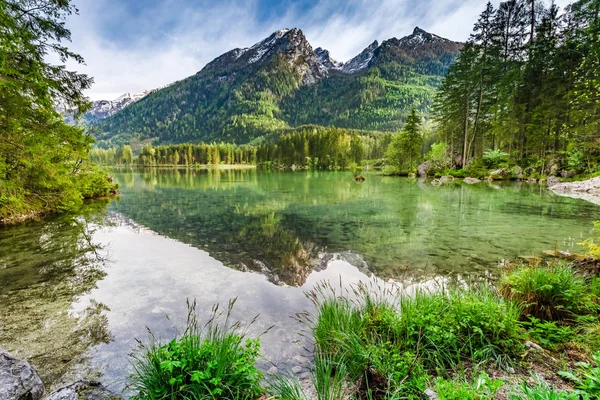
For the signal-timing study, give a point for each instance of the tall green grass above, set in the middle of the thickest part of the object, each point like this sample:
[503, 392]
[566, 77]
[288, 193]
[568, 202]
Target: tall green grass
[388, 342]
[550, 293]
[214, 360]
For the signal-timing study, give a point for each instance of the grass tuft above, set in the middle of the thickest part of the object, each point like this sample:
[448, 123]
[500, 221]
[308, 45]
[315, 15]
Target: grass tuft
[552, 293]
[214, 360]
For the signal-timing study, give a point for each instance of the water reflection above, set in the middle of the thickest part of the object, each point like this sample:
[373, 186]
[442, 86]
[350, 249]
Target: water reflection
[281, 224]
[44, 266]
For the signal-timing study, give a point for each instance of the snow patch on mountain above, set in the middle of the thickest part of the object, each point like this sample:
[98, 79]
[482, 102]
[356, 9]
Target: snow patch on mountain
[361, 61]
[261, 48]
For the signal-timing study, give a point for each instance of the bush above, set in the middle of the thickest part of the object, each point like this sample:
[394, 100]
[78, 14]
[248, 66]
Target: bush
[477, 169]
[494, 158]
[552, 293]
[209, 361]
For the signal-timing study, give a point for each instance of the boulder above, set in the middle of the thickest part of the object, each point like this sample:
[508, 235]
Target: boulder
[498, 173]
[83, 390]
[423, 168]
[552, 180]
[445, 179]
[471, 181]
[531, 180]
[517, 172]
[18, 379]
[436, 182]
[587, 190]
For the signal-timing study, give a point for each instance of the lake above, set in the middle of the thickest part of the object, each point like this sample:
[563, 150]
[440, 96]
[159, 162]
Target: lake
[76, 291]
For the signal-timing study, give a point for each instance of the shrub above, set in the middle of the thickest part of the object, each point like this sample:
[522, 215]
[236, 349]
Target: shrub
[552, 293]
[477, 169]
[548, 333]
[438, 157]
[214, 360]
[493, 158]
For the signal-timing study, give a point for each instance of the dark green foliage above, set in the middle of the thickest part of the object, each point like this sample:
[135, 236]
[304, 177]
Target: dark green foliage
[404, 151]
[310, 146]
[213, 360]
[526, 84]
[44, 163]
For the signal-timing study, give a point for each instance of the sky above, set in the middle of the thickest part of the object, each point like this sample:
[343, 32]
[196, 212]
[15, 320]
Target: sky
[137, 45]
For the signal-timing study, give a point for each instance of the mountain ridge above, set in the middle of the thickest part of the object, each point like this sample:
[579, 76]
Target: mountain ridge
[246, 92]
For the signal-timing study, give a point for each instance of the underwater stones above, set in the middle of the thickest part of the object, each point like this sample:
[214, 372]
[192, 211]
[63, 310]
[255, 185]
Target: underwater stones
[471, 181]
[83, 390]
[19, 380]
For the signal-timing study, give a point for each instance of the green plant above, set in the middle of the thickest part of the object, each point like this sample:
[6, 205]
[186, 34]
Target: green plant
[482, 388]
[493, 158]
[551, 293]
[541, 391]
[593, 248]
[548, 333]
[438, 157]
[586, 378]
[389, 342]
[214, 360]
[285, 387]
[477, 169]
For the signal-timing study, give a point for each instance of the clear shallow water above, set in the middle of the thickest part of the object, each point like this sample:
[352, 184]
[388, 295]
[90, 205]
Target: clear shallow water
[77, 291]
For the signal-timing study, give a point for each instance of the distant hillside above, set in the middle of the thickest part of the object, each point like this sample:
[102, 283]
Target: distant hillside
[282, 82]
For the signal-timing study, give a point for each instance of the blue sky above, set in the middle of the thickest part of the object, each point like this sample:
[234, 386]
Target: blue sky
[134, 45]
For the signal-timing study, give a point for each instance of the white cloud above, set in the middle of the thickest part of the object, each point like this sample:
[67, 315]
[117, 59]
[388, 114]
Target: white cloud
[171, 40]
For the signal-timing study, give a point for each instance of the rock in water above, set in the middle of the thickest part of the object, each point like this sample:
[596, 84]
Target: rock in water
[83, 390]
[552, 180]
[471, 181]
[18, 379]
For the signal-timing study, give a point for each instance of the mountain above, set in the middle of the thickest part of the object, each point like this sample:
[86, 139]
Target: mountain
[281, 82]
[101, 109]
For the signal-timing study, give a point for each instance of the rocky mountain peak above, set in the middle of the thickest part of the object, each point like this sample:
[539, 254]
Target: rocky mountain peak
[362, 60]
[289, 43]
[324, 58]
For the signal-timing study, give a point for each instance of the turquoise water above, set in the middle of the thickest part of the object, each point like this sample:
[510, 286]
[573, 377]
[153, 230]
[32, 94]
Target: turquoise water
[76, 291]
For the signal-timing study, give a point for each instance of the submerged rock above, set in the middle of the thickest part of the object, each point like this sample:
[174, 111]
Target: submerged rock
[19, 380]
[471, 181]
[83, 390]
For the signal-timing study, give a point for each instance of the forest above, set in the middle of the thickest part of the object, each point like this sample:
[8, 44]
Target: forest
[526, 85]
[44, 162]
[308, 146]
